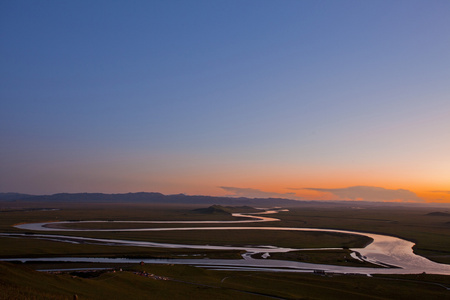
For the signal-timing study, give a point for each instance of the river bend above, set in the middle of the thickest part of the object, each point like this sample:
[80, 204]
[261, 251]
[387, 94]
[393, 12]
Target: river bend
[394, 254]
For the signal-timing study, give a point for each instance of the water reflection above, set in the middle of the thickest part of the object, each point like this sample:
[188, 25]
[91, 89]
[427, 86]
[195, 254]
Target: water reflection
[394, 254]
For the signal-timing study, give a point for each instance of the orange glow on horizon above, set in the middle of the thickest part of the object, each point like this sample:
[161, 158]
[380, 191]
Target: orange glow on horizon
[429, 195]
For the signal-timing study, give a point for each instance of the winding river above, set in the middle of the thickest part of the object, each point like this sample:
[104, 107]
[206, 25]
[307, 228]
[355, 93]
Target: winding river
[392, 254]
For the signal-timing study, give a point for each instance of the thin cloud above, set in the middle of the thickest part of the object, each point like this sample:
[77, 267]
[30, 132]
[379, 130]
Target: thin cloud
[255, 193]
[371, 193]
[442, 192]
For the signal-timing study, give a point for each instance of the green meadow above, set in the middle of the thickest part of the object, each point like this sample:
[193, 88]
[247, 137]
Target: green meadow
[186, 282]
[431, 233]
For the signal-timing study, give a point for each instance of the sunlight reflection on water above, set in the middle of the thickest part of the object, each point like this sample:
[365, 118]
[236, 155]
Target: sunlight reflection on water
[384, 250]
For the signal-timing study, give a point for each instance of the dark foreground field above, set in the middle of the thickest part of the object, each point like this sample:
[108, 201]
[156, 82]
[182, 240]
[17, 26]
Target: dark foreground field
[186, 282]
[427, 227]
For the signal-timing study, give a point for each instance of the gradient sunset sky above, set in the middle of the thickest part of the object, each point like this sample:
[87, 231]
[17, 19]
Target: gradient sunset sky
[296, 99]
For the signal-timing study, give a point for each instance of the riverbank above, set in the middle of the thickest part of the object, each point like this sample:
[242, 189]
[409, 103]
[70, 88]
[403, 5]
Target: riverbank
[394, 254]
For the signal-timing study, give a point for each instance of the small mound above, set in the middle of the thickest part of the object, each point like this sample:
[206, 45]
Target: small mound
[438, 214]
[214, 209]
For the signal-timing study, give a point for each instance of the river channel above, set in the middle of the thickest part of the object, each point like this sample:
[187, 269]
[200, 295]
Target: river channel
[392, 254]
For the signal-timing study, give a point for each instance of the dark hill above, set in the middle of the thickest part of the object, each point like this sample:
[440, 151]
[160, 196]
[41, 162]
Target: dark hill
[438, 214]
[13, 196]
[157, 198]
[214, 209]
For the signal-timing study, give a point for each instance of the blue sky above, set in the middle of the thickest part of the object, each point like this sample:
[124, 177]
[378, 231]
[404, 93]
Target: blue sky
[189, 96]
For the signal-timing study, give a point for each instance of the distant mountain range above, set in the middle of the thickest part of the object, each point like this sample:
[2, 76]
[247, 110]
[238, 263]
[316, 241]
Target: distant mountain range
[13, 196]
[144, 197]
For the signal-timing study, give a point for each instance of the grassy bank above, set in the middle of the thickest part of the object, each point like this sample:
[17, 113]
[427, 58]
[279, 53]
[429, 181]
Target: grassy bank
[186, 282]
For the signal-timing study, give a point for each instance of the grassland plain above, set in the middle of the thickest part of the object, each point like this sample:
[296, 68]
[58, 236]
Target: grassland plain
[430, 233]
[186, 282]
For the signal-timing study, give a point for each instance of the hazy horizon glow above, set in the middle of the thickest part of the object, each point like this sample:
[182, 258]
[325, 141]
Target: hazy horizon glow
[309, 99]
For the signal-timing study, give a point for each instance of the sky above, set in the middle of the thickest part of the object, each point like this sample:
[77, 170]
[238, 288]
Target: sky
[321, 100]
